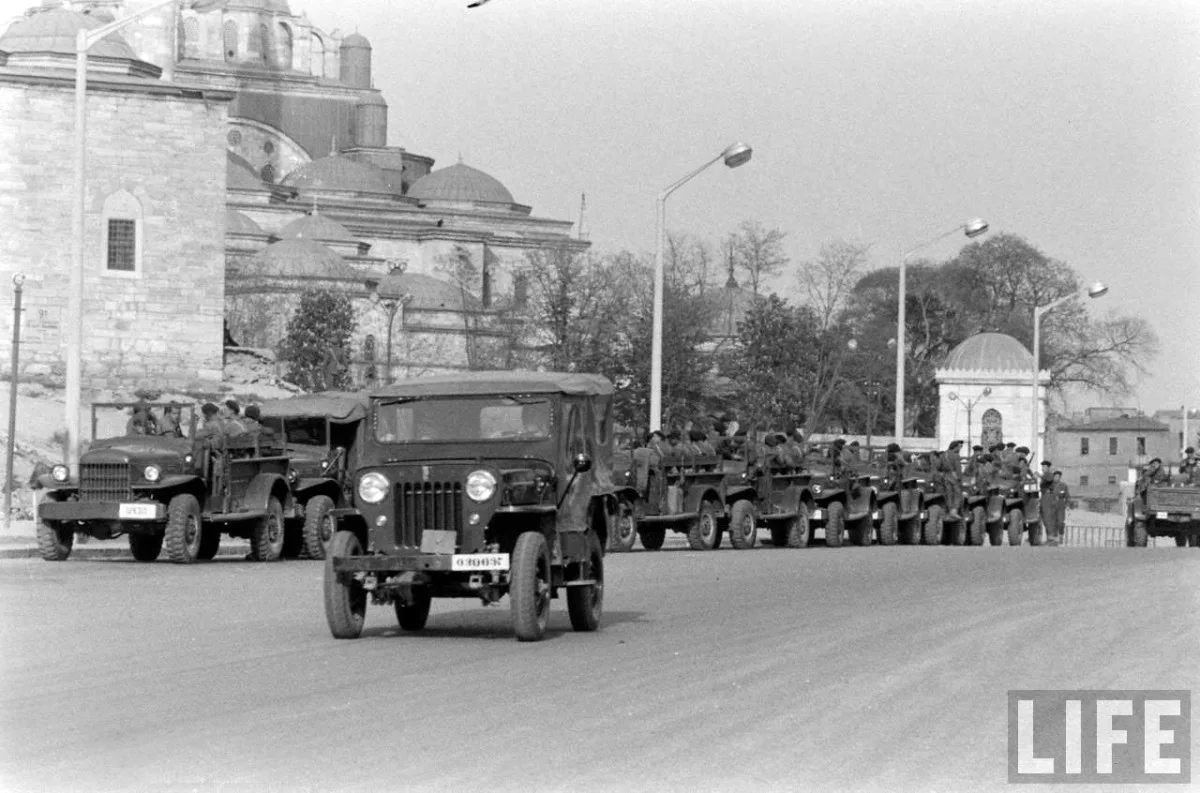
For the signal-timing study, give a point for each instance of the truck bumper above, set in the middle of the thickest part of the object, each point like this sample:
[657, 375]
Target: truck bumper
[102, 510]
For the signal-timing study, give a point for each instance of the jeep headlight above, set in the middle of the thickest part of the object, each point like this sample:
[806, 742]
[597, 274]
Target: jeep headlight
[373, 487]
[481, 485]
[60, 473]
[152, 473]
[817, 490]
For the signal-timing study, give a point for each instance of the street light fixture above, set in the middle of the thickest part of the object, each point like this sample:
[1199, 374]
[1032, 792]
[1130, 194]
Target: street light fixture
[972, 228]
[388, 294]
[734, 155]
[970, 405]
[84, 40]
[1097, 289]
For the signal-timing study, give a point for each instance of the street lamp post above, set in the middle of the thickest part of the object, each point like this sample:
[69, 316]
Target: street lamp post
[972, 228]
[734, 155]
[1097, 289]
[389, 294]
[84, 40]
[872, 389]
[970, 405]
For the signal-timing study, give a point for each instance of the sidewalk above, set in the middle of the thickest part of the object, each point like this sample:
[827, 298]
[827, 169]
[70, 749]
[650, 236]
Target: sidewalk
[19, 541]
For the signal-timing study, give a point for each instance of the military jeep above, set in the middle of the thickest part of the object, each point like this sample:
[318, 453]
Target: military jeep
[478, 485]
[773, 493]
[1164, 510]
[680, 491]
[177, 492]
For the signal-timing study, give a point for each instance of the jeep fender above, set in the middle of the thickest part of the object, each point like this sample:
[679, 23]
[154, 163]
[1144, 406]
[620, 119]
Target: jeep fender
[696, 496]
[307, 487]
[186, 482]
[350, 519]
[740, 492]
[830, 494]
[261, 488]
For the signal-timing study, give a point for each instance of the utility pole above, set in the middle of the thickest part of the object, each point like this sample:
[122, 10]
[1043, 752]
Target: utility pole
[18, 282]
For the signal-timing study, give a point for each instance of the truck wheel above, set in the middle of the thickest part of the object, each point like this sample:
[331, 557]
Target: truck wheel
[1194, 540]
[801, 531]
[743, 524]
[586, 603]
[625, 531]
[1181, 541]
[345, 598]
[266, 538]
[703, 532]
[652, 537]
[54, 541]
[145, 547]
[529, 587]
[412, 616]
[910, 531]
[1035, 534]
[182, 535]
[934, 523]
[978, 526]
[210, 542]
[862, 533]
[1137, 533]
[835, 524]
[1016, 526]
[889, 524]
[318, 526]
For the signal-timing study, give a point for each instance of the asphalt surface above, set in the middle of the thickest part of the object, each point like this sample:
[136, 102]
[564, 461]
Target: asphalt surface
[874, 669]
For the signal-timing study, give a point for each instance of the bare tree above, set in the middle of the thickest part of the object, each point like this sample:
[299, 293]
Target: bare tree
[827, 282]
[758, 251]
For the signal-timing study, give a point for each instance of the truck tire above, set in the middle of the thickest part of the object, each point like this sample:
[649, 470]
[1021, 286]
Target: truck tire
[1035, 534]
[345, 600]
[978, 526]
[910, 531]
[835, 524]
[889, 524]
[266, 538]
[743, 524]
[1137, 533]
[652, 537]
[704, 532]
[413, 616]
[585, 604]
[625, 529]
[145, 547]
[54, 541]
[1015, 524]
[318, 526]
[1194, 540]
[801, 531]
[1181, 540]
[529, 587]
[210, 542]
[934, 523]
[182, 535]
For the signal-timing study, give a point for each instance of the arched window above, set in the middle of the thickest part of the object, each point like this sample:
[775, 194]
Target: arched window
[230, 37]
[318, 56]
[189, 38]
[122, 233]
[993, 428]
[258, 48]
[285, 46]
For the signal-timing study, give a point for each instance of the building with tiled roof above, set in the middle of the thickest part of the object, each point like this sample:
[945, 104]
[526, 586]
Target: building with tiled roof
[1098, 456]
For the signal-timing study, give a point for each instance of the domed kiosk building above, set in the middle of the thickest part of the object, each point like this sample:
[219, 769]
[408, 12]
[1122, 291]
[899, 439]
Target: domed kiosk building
[984, 393]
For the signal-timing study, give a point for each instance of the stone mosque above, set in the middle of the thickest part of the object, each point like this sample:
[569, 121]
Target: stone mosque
[236, 158]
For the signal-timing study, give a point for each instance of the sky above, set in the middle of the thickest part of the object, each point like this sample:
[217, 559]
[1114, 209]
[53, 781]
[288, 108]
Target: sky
[1073, 124]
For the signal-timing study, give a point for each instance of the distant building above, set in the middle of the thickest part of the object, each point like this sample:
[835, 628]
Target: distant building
[1097, 456]
[1174, 420]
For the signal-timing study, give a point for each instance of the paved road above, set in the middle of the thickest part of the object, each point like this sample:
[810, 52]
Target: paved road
[881, 669]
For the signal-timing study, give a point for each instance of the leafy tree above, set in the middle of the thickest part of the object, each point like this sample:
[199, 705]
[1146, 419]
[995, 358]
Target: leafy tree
[317, 344]
[758, 252]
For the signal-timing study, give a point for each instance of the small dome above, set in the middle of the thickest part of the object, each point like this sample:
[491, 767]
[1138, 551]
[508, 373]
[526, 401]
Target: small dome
[338, 173]
[240, 175]
[427, 292]
[240, 223]
[297, 258]
[316, 227]
[990, 352]
[356, 40]
[54, 31]
[460, 183]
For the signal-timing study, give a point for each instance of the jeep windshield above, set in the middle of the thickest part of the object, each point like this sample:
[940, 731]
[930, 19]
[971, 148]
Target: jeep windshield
[454, 419]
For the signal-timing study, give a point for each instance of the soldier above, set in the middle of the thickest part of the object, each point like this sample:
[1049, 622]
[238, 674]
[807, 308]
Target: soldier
[140, 421]
[895, 467]
[1008, 457]
[952, 470]
[213, 425]
[168, 423]
[700, 445]
[231, 412]
[1022, 472]
[836, 457]
[647, 458]
[1057, 497]
[1152, 474]
[1188, 465]
[797, 449]
[973, 462]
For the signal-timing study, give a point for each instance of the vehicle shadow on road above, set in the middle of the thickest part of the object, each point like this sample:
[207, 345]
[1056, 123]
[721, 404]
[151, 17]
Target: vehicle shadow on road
[493, 625]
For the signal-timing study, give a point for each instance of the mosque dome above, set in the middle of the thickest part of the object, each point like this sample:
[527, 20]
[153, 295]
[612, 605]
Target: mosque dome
[338, 173]
[240, 223]
[316, 227]
[427, 292]
[460, 183]
[271, 6]
[301, 258]
[53, 31]
[990, 352]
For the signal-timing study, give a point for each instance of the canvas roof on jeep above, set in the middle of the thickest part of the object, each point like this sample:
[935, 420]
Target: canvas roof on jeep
[498, 382]
[341, 407]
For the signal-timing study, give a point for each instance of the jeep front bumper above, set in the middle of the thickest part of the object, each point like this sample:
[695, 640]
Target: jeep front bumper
[101, 510]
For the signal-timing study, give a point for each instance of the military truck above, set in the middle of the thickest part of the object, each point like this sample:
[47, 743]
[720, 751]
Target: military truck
[982, 503]
[679, 491]
[478, 485]
[843, 502]
[770, 493]
[319, 433]
[179, 492]
[1164, 510]
[1021, 512]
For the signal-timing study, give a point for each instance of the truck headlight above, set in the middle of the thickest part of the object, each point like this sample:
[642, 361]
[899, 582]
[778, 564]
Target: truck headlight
[60, 473]
[373, 487]
[817, 490]
[481, 485]
[152, 473]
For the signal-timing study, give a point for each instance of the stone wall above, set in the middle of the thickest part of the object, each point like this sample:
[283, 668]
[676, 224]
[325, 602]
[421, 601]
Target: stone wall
[149, 147]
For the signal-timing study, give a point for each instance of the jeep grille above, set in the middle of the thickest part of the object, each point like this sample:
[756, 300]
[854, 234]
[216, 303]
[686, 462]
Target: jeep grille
[105, 482]
[426, 505]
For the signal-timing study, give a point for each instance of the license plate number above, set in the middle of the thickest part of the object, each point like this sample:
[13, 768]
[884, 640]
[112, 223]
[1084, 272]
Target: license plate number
[817, 514]
[469, 562]
[137, 511]
[1162, 515]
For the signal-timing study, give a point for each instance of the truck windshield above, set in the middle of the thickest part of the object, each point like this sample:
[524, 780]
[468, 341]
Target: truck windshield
[463, 419]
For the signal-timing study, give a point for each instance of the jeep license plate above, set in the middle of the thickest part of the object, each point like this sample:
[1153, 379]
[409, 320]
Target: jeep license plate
[817, 514]
[470, 562]
[1161, 515]
[137, 511]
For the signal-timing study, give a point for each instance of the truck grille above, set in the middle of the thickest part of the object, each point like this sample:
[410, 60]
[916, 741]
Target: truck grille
[426, 505]
[105, 482]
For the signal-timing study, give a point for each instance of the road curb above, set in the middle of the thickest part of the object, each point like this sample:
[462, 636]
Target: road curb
[31, 552]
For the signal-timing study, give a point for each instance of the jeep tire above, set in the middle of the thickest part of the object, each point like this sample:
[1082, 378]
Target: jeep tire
[54, 541]
[266, 538]
[935, 521]
[145, 547]
[529, 587]
[413, 615]
[835, 524]
[318, 526]
[743, 524]
[585, 603]
[801, 532]
[977, 527]
[345, 598]
[182, 535]
[624, 534]
[704, 531]
[1016, 526]
[1137, 533]
[889, 524]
